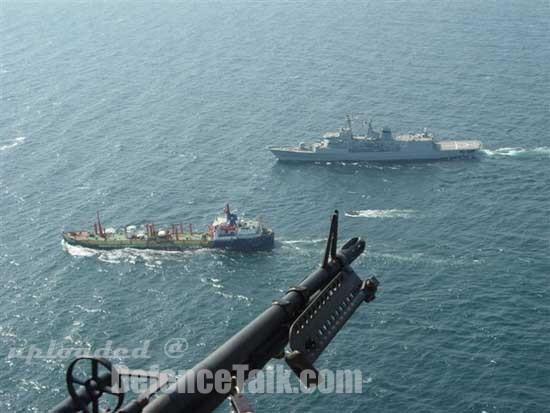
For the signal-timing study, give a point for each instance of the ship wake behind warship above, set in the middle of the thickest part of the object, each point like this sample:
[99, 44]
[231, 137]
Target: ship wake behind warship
[374, 146]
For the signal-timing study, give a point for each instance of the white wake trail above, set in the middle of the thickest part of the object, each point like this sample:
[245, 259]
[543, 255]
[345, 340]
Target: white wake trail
[381, 213]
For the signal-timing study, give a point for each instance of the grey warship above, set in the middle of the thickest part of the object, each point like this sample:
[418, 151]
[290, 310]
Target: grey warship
[374, 146]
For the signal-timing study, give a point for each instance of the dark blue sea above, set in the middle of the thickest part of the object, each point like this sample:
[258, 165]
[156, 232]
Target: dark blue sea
[162, 112]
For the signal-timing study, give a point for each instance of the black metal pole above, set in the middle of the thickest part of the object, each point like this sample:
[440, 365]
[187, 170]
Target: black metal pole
[262, 339]
[243, 347]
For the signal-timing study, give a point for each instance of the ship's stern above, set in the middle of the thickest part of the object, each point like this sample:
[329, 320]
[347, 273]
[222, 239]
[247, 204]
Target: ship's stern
[265, 241]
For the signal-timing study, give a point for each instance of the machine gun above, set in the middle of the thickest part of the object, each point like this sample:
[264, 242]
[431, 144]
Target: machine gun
[306, 319]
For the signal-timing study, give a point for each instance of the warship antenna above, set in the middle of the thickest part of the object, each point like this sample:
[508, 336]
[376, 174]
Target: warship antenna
[348, 121]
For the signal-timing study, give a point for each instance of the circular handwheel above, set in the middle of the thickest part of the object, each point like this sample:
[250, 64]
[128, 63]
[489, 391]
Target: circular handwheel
[95, 386]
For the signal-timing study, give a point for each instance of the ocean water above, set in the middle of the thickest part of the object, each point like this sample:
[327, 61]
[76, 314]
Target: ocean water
[162, 112]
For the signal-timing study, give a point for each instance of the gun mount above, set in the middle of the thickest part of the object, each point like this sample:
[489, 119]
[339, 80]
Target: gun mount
[306, 319]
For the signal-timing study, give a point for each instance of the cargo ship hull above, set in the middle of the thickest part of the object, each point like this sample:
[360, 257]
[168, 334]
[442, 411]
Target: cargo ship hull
[263, 242]
[228, 232]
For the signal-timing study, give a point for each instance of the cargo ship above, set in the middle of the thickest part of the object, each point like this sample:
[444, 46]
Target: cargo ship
[373, 146]
[228, 231]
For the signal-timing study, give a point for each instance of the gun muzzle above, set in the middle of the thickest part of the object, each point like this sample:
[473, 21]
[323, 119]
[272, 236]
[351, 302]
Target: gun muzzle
[350, 251]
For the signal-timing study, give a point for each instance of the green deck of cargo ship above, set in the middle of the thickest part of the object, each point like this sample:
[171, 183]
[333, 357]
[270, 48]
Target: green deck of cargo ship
[228, 231]
[118, 241]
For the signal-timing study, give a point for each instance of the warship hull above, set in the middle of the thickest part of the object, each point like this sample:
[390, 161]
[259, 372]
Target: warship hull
[344, 146]
[293, 154]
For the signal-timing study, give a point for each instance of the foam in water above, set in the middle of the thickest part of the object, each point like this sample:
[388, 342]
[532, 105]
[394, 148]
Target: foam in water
[78, 251]
[381, 213]
[304, 241]
[152, 258]
[511, 151]
[15, 142]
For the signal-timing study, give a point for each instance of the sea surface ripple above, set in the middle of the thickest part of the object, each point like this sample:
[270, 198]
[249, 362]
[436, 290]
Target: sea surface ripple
[161, 112]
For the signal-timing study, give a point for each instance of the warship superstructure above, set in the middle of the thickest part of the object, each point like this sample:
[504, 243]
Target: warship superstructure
[228, 231]
[374, 146]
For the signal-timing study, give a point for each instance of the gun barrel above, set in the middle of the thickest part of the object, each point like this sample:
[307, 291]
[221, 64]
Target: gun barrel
[262, 339]
[268, 331]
